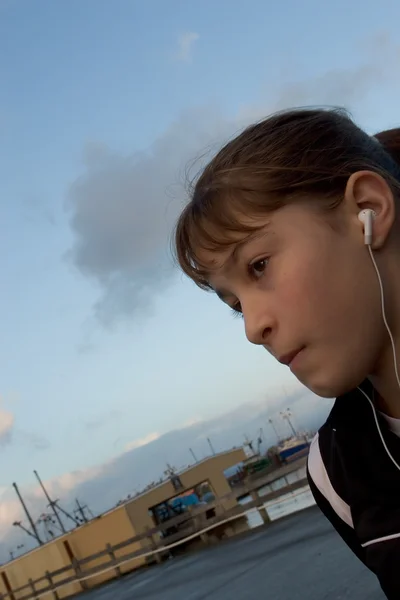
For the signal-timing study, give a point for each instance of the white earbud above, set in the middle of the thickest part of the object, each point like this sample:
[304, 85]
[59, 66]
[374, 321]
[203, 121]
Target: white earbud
[367, 217]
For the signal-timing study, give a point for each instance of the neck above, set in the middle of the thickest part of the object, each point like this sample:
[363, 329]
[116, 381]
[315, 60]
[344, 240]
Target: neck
[384, 377]
[385, 384]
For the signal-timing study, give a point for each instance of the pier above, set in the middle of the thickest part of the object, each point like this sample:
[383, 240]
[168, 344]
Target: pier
[300, 557]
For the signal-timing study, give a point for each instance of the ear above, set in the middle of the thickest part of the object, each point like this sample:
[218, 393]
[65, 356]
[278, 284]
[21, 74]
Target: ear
[366, 189]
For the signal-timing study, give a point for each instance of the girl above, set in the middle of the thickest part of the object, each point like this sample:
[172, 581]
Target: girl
[293, 225]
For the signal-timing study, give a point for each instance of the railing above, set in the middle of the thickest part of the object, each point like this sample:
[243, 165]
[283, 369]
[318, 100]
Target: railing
[194, 528]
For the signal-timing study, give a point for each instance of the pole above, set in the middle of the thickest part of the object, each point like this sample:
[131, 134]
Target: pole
[193, 454]
[211, 446]
[291, 427]
[28, 515]
[51, 503]
[270, 421]
[64, 512]
[288, 415]
[81, 511]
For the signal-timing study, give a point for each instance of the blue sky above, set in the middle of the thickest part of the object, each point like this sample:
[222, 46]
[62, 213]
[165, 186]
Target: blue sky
[101, 106]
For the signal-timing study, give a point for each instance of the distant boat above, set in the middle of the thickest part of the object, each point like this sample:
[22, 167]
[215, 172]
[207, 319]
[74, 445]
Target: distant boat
[293, 448]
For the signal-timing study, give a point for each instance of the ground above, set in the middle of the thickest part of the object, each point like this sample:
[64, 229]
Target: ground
[298, 558]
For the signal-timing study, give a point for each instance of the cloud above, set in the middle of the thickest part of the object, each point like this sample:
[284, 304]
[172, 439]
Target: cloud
[144, 460]
[68, 482]
[6, 426]
[11, 511]
[344, 87]
[185, 46]
[9, 433]
[122, 208]
[151, 437]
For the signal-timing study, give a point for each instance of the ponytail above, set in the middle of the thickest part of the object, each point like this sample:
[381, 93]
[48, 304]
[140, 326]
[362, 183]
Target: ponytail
[390, 140]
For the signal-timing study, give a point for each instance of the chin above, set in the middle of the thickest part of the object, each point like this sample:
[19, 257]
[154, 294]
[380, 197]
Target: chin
[331, 375]
[326, 387]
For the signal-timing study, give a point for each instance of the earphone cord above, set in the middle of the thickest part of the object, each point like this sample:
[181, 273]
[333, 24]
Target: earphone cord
[394, 357]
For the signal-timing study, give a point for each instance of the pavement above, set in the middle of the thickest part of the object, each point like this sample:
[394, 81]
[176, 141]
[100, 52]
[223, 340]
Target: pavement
[298, 558]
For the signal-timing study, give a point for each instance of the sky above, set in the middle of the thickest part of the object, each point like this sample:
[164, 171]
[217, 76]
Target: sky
[105, 108]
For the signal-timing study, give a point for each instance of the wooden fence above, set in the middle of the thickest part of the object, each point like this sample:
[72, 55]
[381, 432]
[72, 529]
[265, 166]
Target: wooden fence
[195, 525]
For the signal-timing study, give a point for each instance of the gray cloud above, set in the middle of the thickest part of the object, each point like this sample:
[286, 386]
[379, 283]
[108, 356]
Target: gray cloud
[122, 209]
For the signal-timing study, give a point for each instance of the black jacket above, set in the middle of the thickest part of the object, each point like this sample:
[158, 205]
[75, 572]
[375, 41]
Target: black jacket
[357, 485]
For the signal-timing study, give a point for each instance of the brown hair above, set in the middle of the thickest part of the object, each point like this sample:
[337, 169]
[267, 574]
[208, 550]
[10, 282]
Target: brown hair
[292, 155]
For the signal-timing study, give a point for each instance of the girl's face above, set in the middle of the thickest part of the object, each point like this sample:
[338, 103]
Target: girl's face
[305, 286]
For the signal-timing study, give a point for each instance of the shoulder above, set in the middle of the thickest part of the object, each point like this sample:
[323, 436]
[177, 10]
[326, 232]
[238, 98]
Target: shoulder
[316, 468]
[315, 464]
[324, 466]
[331, 504]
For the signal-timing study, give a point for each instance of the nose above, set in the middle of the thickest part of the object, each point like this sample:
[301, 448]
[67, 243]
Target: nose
[258, 322]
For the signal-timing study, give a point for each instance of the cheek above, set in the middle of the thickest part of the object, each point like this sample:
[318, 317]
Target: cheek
[329, 295]
[311, 293]
[301, 290]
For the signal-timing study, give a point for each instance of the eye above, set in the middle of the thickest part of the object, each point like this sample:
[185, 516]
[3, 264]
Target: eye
[237, 310]
[258, 267]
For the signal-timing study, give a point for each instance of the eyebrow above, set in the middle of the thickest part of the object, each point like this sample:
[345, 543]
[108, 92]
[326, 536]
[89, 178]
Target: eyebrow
[250, 238]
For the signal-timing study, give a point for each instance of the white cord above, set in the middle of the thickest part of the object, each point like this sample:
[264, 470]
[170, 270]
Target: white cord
[379, 429]
[384, 315]
[394, 358]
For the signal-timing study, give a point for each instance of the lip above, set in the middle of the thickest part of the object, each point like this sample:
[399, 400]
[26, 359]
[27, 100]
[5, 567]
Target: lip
[287, 359]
